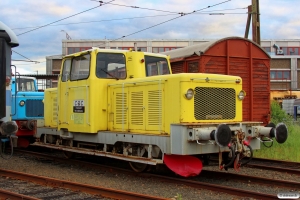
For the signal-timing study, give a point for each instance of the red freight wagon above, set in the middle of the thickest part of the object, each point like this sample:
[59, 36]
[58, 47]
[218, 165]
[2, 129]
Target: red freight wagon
[232, 56]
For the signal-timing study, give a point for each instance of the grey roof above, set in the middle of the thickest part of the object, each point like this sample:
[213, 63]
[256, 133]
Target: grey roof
[54, 57]
[297, 102]
[13, 40]
[199, 49]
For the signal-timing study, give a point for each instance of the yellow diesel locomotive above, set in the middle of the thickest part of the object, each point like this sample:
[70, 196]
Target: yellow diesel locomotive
[127, 105]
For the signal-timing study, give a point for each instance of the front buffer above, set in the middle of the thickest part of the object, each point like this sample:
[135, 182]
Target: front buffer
[236, 140]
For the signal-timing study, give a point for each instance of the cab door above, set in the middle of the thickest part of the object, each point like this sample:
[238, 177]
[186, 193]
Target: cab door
[64, 82]
[74, 94]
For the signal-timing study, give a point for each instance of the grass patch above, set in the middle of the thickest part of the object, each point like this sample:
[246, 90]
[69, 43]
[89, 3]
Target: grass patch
[290, 150]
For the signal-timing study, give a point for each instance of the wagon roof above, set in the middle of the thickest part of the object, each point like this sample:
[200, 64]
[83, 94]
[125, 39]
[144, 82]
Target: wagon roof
[199, 49]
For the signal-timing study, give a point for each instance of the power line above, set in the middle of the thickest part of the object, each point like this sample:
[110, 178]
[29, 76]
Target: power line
[25, 57]
[182, 14]
[101, 20]
[31, 63]
[25, 61]
[101, 3]
[141, 17]
[144, 8]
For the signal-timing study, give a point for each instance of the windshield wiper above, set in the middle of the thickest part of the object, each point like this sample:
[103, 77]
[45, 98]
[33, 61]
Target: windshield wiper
[109, 74]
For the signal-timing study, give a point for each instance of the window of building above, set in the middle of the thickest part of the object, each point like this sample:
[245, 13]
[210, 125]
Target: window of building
[163, 49]
[126, 48]
[143, 49]
[80, 68]
[77, 49]
[293, 51]
[280, 75]
[267, 49]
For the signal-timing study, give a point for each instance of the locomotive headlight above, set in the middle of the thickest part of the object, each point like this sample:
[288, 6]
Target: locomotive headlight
[241, 95]
[189, 94]
[22, 103]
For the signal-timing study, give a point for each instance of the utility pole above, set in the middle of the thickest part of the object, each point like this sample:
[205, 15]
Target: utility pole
[255, 21]
[253, 11]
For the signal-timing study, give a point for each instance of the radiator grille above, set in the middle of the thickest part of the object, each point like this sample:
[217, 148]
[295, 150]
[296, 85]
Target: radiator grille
[55, 110]
[137, 109]
[34, 108]
[214, 103]
[154, 107]
[121, 108]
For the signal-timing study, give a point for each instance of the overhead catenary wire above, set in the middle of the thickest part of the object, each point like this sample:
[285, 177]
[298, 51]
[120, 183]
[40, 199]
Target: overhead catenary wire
[140, 17]
[25, 57]
[181, 15]
[101, 4]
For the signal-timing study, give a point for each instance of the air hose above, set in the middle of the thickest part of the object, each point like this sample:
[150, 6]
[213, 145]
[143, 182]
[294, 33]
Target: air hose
[232, 158]
[3, 147]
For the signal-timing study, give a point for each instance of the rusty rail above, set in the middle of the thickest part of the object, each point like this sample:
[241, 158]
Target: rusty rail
[94, 190]
[4, 194]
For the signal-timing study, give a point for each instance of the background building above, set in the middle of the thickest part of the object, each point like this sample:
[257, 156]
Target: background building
[285, 54]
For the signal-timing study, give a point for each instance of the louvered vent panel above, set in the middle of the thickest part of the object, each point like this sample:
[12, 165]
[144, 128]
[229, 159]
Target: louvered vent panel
[136, 112]
[121, 108]
[54, 111]
[214, 103]
[34, 108]
[154, 107]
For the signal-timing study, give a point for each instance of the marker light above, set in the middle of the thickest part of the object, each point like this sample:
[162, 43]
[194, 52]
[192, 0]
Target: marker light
[241, 95]
[189, 94]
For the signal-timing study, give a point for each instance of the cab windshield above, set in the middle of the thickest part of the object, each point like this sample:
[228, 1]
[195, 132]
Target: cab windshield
[24, 84]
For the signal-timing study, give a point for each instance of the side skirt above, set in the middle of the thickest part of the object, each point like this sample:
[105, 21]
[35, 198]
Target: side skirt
[148, 161]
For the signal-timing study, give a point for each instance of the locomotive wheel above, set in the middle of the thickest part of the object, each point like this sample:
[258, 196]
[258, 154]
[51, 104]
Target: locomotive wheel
[138, 167]
[68, 154]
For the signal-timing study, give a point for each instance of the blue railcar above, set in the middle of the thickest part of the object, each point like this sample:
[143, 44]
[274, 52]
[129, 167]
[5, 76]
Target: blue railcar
[27, 107]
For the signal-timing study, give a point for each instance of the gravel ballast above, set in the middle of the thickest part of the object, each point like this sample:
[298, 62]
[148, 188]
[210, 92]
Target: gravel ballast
[124, 181]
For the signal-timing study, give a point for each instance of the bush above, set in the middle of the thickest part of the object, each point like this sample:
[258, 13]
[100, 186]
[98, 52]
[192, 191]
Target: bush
[290, 150]
[279, 115]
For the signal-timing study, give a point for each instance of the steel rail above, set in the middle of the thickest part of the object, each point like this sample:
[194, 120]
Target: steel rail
[94, 190]
[194, 184]
[5, 194]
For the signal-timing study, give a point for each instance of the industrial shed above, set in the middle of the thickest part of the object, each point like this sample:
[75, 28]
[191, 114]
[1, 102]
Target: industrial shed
[233, 56]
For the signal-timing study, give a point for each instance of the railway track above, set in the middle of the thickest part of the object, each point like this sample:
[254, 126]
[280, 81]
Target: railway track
[275, 165]
[43, 187]
[195, 183]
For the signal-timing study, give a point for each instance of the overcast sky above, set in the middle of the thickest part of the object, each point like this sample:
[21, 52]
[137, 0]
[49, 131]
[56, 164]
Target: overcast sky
[280, 19]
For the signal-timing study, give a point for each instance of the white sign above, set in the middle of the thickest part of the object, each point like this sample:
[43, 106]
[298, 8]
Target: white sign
[78, 103]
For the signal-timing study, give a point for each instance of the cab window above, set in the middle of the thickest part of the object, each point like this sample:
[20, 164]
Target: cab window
[111, 65]
[66, 70]
[80, 68]
[156, 66]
